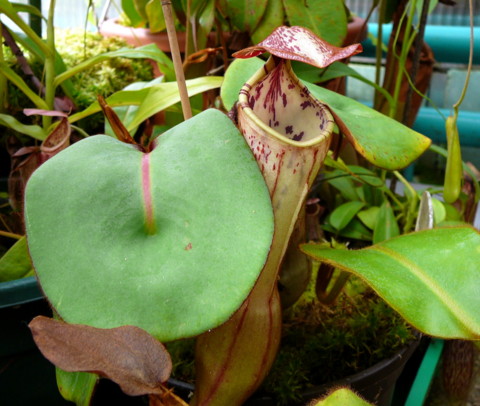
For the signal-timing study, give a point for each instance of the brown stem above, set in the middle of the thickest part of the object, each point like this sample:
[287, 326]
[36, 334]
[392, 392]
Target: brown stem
[22, 61]
[177, 60]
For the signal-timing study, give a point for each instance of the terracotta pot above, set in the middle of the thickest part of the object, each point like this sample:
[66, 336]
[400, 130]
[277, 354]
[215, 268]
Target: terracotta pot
[139, 36]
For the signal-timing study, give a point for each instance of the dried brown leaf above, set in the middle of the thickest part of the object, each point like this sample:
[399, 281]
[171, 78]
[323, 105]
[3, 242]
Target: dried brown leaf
[127, 355]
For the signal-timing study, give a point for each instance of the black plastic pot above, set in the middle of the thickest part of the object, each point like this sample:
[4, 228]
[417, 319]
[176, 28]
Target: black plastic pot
[375, 384]
[26, 377]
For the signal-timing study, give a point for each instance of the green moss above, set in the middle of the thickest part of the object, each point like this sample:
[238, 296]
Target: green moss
[322, 343]
[75, 46]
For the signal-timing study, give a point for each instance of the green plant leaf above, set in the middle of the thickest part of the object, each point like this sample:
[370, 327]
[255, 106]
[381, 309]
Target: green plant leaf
[273, 17]
[147, 239]
[344, 213]
[429, 277]
[342, 397]
[369, 216]
[337, 69]
[370, 131]
[156, 20]
[245, 15]
[343, 183]
[327, 19]
[131, 12]
[357, 231]
[127, 113]
[152, 99]
[77, 387]
[34, 131]
[237, 74]
[386, 225]
[439, 211]
[15, 263]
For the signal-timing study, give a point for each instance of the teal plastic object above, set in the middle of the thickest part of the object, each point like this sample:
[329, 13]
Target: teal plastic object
[426, 371]
[19, 291]
[448, 43]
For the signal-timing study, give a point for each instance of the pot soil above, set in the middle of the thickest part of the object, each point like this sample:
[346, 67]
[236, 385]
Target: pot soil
[360, 338]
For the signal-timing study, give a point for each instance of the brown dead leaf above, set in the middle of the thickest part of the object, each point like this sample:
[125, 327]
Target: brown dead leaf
[127, 355]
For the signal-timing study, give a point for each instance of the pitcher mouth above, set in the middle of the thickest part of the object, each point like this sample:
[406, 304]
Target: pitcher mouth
[265, 99]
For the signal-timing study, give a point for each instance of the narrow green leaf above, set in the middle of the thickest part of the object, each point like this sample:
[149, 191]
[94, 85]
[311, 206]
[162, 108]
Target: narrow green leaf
[152, 99]
[34, 131]
[386, 226]
[77, 387]
[127, 113]
[344, 213]
[160, 97]
[429, 277]
[15, 263]
[13, 77]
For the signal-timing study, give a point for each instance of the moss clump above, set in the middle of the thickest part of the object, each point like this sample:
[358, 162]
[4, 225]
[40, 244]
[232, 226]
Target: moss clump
[321, 344]
[105, 78]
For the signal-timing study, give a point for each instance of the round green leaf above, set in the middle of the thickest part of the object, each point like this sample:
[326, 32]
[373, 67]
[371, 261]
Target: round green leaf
[171, 241]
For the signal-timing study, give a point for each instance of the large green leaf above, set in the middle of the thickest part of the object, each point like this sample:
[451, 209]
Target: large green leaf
[171, 241]
[327, 19]
[383, 141]
[245, 15]
[273, 17]
[429, 277]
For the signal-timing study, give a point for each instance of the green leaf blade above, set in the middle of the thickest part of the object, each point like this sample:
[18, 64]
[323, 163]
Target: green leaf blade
[178, 281]
[428, 277]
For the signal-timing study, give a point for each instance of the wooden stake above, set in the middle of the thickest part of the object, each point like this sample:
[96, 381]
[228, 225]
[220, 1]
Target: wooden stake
[177, 60]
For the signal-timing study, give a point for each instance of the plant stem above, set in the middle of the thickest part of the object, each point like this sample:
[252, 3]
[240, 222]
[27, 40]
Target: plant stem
[412, 197]
[470, 62]
[10, 235]
[177, 60]
[3, 80]
[406, 43]
[379, 50]
[50, 65]
[416, 60]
